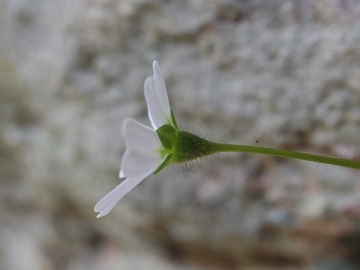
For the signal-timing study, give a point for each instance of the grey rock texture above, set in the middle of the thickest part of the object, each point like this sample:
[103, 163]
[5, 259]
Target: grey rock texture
[283, 74]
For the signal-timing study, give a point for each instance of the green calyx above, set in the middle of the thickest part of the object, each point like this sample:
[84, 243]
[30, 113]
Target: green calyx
[167, 135]
[190, 146]
[181, 146]
[173, 120]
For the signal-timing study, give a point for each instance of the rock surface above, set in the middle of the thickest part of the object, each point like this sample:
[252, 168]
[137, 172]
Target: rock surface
[283, 73]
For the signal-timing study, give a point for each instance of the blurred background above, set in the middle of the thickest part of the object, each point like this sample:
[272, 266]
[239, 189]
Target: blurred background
[279, 73]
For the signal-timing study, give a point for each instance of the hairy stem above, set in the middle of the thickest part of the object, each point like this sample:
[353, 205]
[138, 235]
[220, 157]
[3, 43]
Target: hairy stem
[219, 147]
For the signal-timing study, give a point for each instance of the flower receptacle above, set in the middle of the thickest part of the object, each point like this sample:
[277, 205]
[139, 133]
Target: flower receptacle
[189, 146]
[182, 146]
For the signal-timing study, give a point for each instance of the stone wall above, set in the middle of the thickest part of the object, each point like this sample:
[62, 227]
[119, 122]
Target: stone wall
[282, 74]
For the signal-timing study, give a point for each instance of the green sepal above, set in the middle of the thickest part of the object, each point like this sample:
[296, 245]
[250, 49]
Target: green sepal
[173, 120]
[167, 161]
[167, 135]
[190, 146]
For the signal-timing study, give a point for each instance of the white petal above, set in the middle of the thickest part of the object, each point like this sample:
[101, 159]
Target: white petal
[121, 174]
[152, 121]
[161, 88]
[139, 164]
[157, 115]
[139, 136]
[106, 204]
[157, 98]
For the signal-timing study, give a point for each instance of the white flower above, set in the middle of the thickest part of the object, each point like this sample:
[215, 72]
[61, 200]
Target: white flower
[144, 149]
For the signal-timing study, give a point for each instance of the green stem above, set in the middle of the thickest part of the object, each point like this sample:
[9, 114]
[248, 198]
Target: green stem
[219, 147]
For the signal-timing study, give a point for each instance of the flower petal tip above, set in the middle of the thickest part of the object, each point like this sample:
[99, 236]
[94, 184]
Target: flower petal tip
[121, 174]
[156, 66]
[101, 214]
[102, 210]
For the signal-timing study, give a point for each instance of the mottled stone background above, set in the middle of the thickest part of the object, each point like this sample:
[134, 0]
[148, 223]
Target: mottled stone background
[280, 73]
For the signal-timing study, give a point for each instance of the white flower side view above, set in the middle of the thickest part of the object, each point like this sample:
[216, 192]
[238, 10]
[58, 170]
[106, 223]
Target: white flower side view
[149, 150]
[144, 150]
